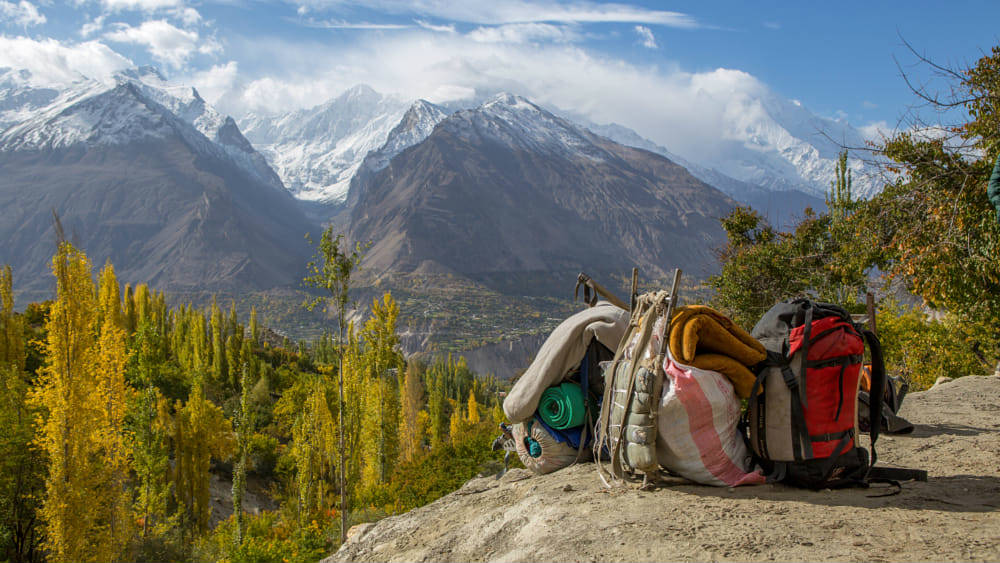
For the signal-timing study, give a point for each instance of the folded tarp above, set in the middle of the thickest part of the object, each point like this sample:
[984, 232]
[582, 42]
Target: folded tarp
[702, 337]
[561, 353]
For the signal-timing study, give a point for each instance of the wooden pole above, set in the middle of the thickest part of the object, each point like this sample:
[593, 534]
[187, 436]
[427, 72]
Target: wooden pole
[635, 289]
[870, 303]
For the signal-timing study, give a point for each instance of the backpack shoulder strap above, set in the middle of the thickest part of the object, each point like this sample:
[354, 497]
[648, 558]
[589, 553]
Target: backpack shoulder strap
[878, 384]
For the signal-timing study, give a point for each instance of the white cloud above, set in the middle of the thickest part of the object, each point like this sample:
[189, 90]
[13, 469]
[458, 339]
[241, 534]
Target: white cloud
[167, 44]
[343, 24]
[450, 93]
[686, 112]
[54, 63]
[646, 37]
[23, 14]
[177, 9]
[93, 26]
[188, 15]
[524, 33]
[869, 105]
[450, 28]
[493, 12]
[215, 82]
[876, 130]
[140, 5]
[772, 25]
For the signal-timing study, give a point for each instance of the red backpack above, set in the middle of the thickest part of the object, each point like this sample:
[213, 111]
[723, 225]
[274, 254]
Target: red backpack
[802, 415]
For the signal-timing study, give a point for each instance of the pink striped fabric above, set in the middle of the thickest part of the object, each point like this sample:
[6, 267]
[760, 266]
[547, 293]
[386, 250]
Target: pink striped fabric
[697, 426]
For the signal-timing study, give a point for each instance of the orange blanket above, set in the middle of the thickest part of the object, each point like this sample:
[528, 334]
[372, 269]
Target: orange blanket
[704, 338]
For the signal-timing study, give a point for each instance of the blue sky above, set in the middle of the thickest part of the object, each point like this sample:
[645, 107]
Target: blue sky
[609, 61]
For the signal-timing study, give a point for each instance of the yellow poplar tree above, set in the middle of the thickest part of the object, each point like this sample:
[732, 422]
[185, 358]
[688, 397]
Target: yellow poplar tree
[201, 432]
[66, 395]
[113, 394]
[473, 408]
[352, 408]
[382, 362]
[412, 431]
[314, 446]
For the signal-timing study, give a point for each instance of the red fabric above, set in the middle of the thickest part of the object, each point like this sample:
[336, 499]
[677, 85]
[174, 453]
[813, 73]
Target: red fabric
[823, 397]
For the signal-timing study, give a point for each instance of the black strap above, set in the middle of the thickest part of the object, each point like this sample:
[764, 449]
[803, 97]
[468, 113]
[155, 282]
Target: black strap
[832, 436]
[807, 329]
[836, 361]
[831, 462]
[897, 474]
[878, 383]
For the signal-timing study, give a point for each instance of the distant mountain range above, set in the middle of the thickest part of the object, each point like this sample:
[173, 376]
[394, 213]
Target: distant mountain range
[772, 144]
[511, 188]
[146, 173]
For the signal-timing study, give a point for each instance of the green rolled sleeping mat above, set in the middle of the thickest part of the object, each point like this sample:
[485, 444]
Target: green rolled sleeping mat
[563, 406]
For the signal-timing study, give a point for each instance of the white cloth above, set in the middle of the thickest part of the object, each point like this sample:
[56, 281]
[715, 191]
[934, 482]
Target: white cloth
[563, 351]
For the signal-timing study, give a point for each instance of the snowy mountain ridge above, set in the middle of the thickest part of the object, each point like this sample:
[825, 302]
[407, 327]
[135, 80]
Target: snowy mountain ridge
[317, 151]
[141, 104]
[518, 122]
[768, 143]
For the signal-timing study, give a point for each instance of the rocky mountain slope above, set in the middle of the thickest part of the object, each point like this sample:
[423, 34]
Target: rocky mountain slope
[510, 188]
[782, 207]
[147, 176]
[568, 516]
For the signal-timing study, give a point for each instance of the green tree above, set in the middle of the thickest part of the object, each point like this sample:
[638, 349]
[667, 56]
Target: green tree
[436, 408]
[149, 421]
[20, 476]
[935, 226]
[382, 362]
[244, 431]
[412, 400]
[761, 266]
[219, 367]
[330, 271]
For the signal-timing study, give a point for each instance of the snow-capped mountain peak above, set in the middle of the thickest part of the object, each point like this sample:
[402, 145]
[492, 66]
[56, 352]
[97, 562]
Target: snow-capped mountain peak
[416, 125]
[139, 104]
[317, 151]
[505, 101]
[516, 121]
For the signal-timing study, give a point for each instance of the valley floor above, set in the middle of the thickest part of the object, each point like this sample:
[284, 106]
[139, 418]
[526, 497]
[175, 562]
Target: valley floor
[568, 516]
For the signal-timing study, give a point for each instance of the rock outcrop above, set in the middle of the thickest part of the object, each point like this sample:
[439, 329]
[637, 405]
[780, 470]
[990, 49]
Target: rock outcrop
[568, 516]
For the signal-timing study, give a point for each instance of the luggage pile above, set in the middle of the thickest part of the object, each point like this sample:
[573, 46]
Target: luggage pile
[659, 389]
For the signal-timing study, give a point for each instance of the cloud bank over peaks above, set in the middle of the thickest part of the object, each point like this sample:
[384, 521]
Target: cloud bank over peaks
[53, 63]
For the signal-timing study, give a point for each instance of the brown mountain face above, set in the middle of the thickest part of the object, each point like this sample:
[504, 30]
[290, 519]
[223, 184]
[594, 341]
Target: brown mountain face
[168, 209]
[510, 189]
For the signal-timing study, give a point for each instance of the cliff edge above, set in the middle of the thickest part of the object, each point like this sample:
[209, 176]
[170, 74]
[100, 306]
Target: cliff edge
[569, 516]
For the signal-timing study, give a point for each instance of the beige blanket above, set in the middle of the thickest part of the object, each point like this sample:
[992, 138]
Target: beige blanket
[563, 351]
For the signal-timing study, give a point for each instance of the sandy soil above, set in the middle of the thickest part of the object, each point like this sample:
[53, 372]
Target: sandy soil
[568, 516]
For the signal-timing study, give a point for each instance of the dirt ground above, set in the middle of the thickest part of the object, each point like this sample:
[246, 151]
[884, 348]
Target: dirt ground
[569, 516]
